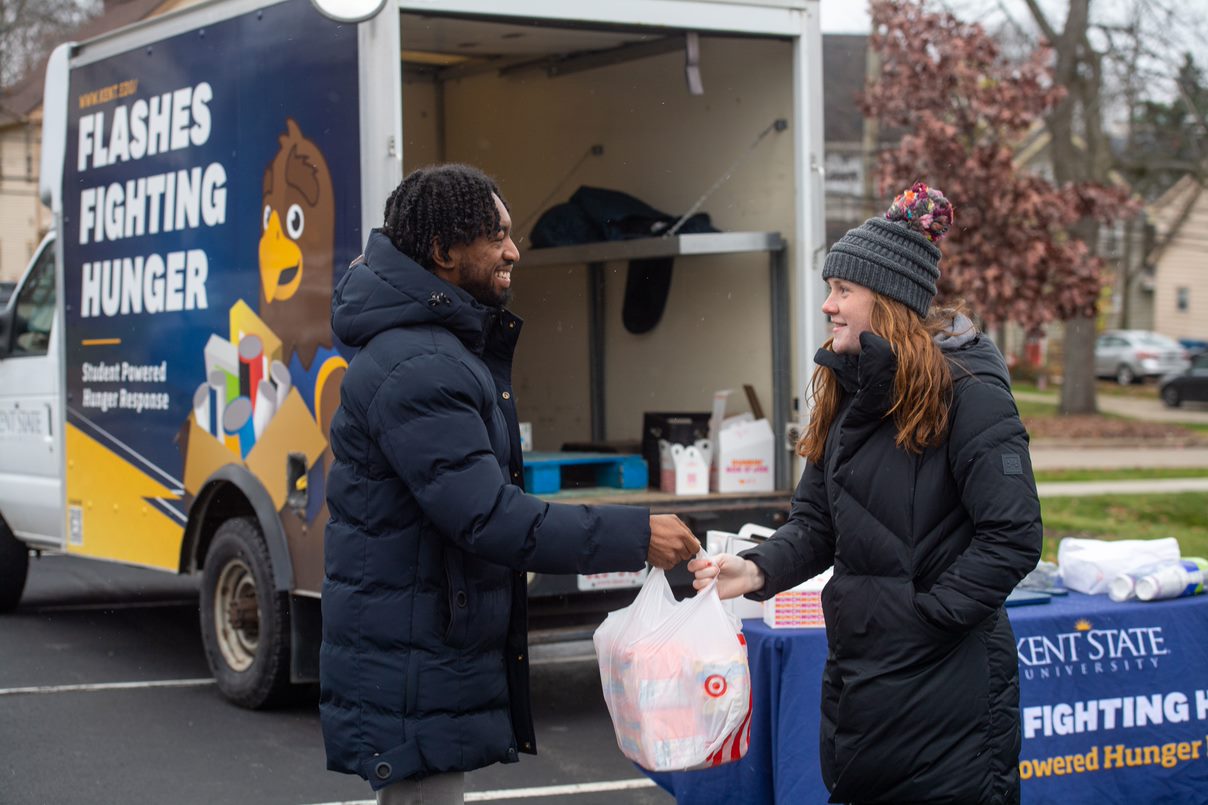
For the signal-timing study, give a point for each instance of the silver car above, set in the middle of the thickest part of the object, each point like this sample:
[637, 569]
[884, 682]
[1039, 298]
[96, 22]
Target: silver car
[1132, 355]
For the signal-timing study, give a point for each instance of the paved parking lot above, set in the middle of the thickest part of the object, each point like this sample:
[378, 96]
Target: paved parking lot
[105, 698]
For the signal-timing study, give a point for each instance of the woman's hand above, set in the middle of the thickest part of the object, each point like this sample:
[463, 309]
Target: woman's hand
[735, 576]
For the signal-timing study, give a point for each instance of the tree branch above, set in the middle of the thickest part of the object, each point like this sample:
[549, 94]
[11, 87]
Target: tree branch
[1042, 22]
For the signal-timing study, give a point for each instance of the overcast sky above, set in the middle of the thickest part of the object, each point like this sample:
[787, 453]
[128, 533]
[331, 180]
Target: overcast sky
[1167, 37]
[845, 16]
[851, 16]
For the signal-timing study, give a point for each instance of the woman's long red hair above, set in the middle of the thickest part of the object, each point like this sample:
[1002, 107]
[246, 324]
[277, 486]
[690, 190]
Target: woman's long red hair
[922, 384]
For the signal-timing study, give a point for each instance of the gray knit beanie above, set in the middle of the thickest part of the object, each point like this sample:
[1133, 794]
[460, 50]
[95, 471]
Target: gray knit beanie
[896, 255]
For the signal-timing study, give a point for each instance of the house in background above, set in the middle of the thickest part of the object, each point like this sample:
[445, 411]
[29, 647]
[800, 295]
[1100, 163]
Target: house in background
[1179, 260]
[23, 219]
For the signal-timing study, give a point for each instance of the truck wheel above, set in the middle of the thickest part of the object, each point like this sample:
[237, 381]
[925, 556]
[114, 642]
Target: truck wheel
[14, 567]
[244, 620]
[1170, 396]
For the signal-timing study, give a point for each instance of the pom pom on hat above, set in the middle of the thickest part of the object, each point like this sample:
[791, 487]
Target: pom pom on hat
[896, 254]
[923, 209]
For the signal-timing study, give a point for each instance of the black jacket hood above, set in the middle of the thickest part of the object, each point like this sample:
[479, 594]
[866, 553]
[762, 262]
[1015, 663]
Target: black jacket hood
[386, 289]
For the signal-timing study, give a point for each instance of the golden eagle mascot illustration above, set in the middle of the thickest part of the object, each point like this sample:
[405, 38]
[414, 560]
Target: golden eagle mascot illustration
[296, 261]
[297, 246]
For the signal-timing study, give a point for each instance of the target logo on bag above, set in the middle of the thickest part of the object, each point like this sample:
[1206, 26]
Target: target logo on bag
[716, 686]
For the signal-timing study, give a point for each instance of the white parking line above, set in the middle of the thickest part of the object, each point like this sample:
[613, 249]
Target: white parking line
[161, 683]
[102, 607]
[558, 790]
[571, 789]
[531, 793]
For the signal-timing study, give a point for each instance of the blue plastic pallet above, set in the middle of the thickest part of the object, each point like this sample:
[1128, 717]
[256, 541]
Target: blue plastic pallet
[543, 471]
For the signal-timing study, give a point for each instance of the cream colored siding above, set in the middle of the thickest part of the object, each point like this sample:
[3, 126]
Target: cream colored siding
[1183, 263]
[23, 219]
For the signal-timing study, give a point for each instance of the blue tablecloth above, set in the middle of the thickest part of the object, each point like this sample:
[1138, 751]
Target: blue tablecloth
[1113, 702]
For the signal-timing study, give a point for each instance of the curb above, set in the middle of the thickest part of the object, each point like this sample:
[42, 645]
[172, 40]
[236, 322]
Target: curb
[1123, 444]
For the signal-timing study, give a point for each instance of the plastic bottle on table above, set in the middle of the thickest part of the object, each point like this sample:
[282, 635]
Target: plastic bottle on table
[1175, 580]
[1124, 586]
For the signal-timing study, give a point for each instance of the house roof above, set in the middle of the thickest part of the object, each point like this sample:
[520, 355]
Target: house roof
[25, 96]
[843, 68]
[1170, 211]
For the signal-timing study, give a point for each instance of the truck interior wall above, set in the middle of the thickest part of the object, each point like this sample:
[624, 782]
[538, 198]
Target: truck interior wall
[666, 147]
[421, 131]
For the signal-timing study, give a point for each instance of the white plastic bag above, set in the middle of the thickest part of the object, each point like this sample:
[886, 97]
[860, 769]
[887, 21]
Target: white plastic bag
[1089, 565]
[676, 679]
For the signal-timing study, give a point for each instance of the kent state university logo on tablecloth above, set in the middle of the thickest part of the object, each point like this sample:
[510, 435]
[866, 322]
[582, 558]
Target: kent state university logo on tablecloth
[1115, 698]
[1085, 650]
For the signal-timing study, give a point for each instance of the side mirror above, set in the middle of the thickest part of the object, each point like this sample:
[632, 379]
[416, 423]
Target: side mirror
[6, 329]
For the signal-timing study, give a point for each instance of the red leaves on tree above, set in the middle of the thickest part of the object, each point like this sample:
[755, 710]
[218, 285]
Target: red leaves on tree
[963, 108]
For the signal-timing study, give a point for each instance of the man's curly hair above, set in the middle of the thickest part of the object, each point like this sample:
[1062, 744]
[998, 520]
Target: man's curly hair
[447, 204]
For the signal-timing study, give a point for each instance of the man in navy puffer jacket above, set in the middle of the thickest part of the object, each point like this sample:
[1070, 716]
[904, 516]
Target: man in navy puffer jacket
[423, 670]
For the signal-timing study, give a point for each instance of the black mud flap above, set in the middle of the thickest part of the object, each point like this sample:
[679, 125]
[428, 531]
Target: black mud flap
[306, 634]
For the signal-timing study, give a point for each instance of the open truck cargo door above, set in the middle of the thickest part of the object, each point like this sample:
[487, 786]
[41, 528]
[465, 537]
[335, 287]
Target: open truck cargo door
[660, 101]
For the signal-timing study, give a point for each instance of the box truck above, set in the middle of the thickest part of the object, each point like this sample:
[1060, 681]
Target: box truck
[167, 368]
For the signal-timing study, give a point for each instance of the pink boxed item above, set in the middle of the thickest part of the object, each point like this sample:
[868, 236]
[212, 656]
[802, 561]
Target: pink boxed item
[691, 470]
[799, 607]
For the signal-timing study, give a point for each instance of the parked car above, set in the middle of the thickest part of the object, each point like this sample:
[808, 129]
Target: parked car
[1191, 384]
[1132, 355]
[6, 291]
[1194, 346]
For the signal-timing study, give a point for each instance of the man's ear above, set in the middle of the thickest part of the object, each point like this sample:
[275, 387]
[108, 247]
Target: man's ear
[440, 255]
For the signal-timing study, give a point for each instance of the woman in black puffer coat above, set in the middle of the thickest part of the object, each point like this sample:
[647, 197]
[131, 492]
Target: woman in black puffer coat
[918, 489]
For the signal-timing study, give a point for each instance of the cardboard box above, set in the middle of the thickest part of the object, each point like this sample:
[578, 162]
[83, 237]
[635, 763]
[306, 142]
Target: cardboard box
[745, 458]
[675, 428]
[799, 607]
[744, 453]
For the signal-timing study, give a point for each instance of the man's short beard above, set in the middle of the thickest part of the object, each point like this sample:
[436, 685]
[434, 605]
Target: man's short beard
[486, 294]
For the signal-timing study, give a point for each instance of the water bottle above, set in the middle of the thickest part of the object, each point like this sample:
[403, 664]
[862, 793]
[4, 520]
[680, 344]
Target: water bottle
[1175, 580]
[1124, 586]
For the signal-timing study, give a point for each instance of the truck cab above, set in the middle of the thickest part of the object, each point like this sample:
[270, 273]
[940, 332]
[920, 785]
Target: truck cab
[31, 437]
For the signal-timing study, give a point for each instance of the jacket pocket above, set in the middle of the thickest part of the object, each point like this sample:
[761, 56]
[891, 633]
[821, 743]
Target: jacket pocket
[850, 605]
[458, 595]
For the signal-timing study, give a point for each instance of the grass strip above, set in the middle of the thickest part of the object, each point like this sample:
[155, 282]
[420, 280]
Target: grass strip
[1181, 516]
[1121, 474]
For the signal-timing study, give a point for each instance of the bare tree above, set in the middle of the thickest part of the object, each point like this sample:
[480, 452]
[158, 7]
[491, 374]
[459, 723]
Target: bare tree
[1112, 59]
[1080, 70]
[962, 107]
[30, 28]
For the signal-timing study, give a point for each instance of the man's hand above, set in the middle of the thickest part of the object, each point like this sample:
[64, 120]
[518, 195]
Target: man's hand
[671, 542]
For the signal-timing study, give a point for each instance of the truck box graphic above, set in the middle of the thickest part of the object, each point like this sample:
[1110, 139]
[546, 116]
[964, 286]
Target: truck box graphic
[212, 200]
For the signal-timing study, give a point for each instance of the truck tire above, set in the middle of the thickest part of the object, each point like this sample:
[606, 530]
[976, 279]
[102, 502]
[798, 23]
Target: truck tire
[14, 567]
[244, 620]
